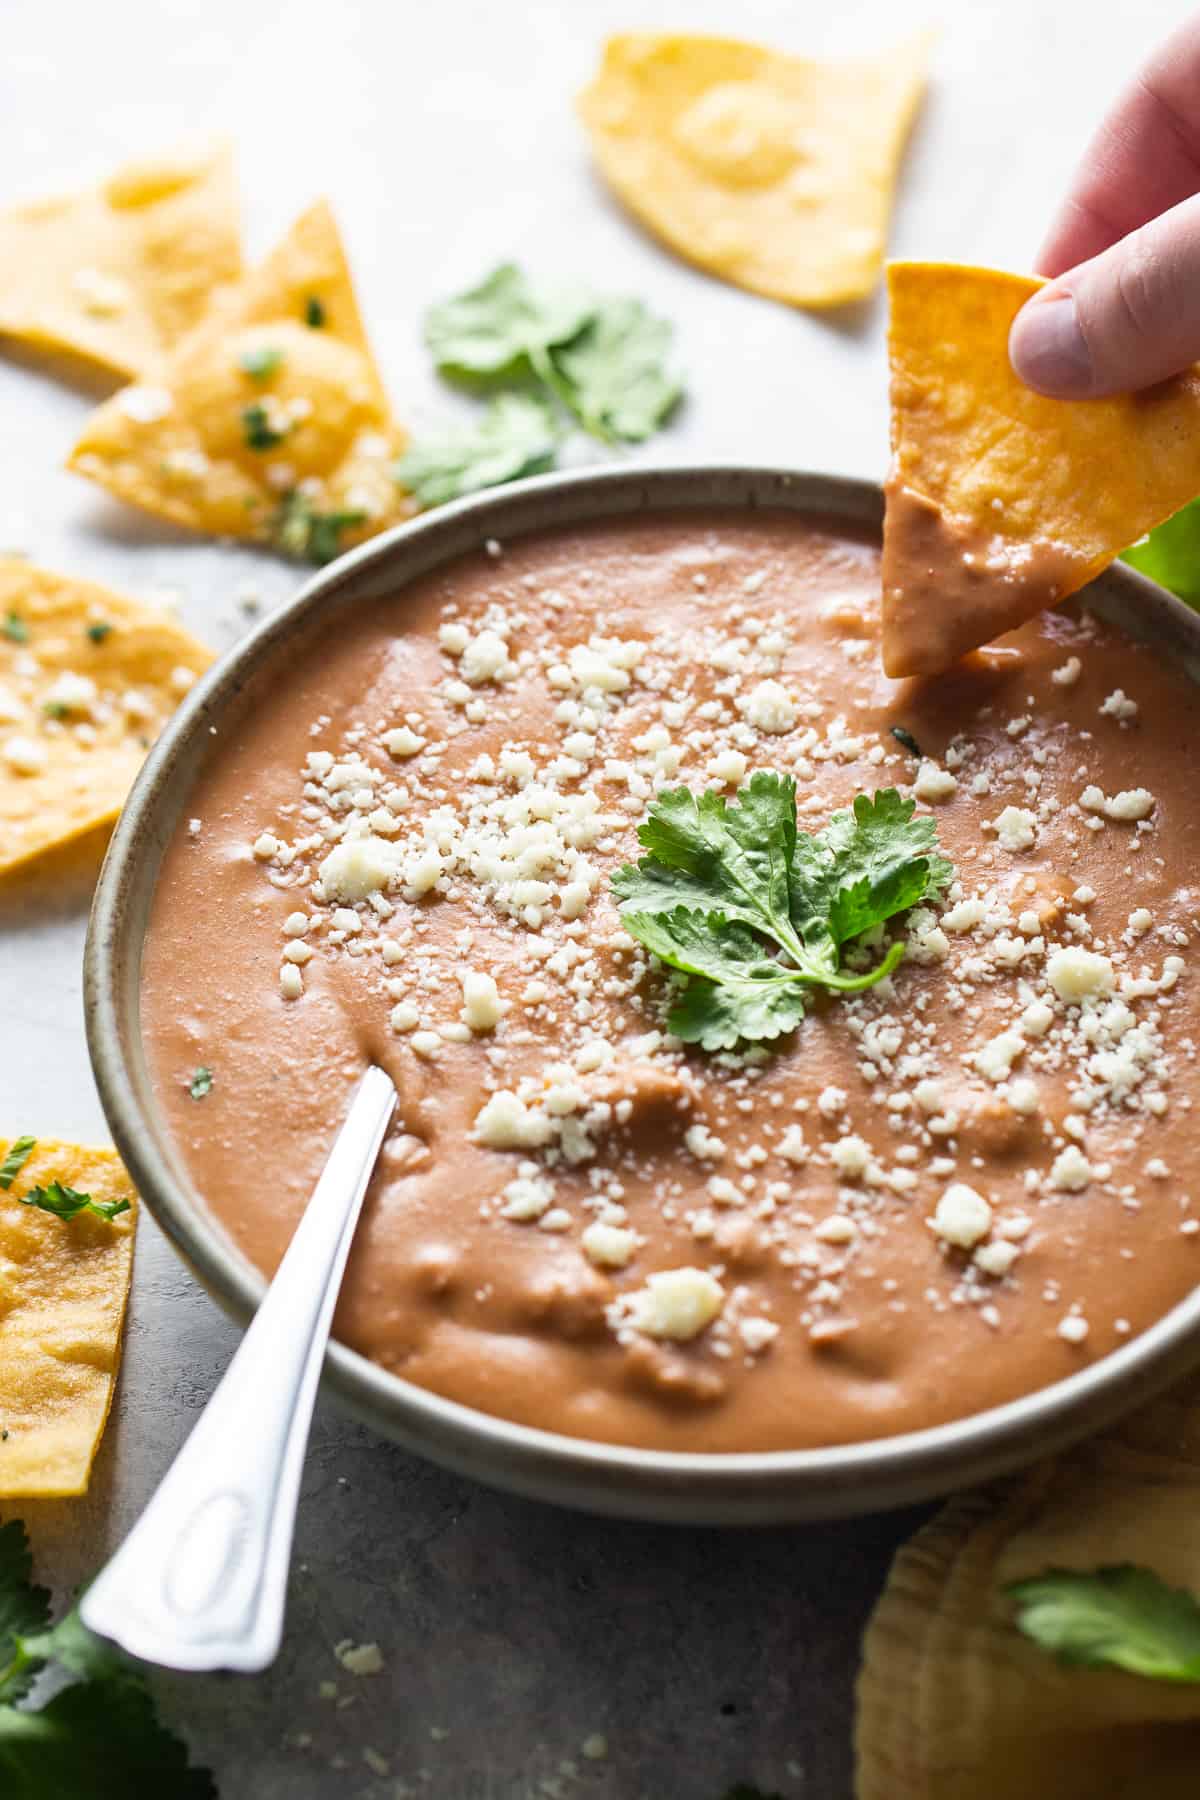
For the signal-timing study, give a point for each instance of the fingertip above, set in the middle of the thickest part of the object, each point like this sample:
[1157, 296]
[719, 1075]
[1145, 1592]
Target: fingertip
[1047, 348]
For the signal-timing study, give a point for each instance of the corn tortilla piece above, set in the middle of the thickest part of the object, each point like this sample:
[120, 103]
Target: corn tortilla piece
[87, 680]
[771, 171]
[63, 1287]
[117, 273]
[267, 422]
[954, 1703]
[1001, 502]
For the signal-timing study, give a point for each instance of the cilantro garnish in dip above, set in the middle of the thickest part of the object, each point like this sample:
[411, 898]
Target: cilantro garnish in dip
[882, 1126]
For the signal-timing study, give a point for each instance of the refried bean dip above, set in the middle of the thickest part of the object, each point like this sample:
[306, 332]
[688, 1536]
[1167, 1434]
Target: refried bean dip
[932, 1197]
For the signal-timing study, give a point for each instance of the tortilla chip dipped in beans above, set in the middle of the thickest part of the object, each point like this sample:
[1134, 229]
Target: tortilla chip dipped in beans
[1001, 502]
[87, 680]
[269, 421]
[117, 273]
[773, 172]
[67, 1217]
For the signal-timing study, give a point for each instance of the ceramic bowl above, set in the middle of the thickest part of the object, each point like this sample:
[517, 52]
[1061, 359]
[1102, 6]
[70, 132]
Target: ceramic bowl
[701, 1489]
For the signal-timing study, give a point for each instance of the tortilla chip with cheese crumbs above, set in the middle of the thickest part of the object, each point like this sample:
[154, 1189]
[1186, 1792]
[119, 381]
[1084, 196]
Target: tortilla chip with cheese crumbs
[87, 680]
[269, 421]
[63, 1286]
[1001, 502]
[117, 273]
[774, 172]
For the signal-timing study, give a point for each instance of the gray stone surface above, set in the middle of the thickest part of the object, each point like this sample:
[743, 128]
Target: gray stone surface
[444, 135]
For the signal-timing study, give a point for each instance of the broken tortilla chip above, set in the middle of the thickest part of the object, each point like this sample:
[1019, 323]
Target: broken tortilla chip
[87, 680]
[63, 1286]
[1000, 502]
[117, 273]
[771, 171]
[269, 421]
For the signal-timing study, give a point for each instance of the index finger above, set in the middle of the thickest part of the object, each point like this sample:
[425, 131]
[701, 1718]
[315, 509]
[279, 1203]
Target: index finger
[1144, 159]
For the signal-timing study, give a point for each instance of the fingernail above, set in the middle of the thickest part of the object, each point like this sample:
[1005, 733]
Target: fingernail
[1047, 349]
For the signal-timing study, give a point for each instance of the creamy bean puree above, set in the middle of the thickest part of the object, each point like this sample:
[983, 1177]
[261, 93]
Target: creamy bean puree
[944, 1192]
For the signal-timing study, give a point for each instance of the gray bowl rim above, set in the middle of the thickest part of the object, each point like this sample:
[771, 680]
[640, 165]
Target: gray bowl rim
[685, 1487]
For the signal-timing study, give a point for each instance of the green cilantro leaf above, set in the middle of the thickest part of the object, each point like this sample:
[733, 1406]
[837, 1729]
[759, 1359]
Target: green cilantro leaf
[99, 630]
[260, 364]
[24, 1609]
[719, 871]
[98, 1738]
[313, 536]
[201, 1083]
[14, 628]
[866, 865]
[67, 1203]
[19, 1152]
[1170, 554]
[315, 316]
[613, 374]
[498, 329]
[1121, 1617]
[257, 429]
[516, 436]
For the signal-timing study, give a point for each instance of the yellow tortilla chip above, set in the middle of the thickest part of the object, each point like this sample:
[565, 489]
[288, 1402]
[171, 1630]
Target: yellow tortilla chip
[269, 421]
[118, 272]
[771, 171]
[87, 680]
[63, 1286]
[1001, 502]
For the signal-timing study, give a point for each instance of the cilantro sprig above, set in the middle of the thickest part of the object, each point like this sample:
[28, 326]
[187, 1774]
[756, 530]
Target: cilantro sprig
[721, 876]
[601, 363]
[258, 431]
[1120, 1617]
[67, 1202]
[516, 436]
[97, 1738]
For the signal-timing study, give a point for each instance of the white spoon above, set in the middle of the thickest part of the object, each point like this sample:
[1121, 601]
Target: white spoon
[201, 1580]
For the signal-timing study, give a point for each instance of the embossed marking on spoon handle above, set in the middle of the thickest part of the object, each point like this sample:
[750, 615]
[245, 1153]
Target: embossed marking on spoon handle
[200, 1582]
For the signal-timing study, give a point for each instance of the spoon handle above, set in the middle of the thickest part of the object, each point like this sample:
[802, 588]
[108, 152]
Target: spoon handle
[200, 1581]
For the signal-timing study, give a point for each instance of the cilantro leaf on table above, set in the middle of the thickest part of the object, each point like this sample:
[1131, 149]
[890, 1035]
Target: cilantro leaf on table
[613, 375]
[1121, 1617]
[719, 871]
[1170, 554]
[496, 330]
[100, 1737]
[19, 1152]
[24, 1609]
[516, 436]
[66, 1203]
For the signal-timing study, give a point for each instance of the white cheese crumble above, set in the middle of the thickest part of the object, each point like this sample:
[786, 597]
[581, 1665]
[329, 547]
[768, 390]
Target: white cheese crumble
[1016, 828]
[608, 1246]
[675, 1303]
[1077, 975]
[356, 868]
[1127, 807]
[934, 783]
[1071, 1171]
[506, 1123]
[962, 1216]
[483, 1008]
[403, 742]
[769, 708]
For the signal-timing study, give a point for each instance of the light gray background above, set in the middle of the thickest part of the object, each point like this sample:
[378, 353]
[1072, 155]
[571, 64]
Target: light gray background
[444, 134]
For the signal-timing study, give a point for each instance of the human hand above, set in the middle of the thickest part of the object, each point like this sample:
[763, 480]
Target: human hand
[1123, 309]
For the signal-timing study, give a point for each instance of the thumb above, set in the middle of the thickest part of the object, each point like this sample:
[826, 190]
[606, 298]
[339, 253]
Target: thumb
[1127, 318]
